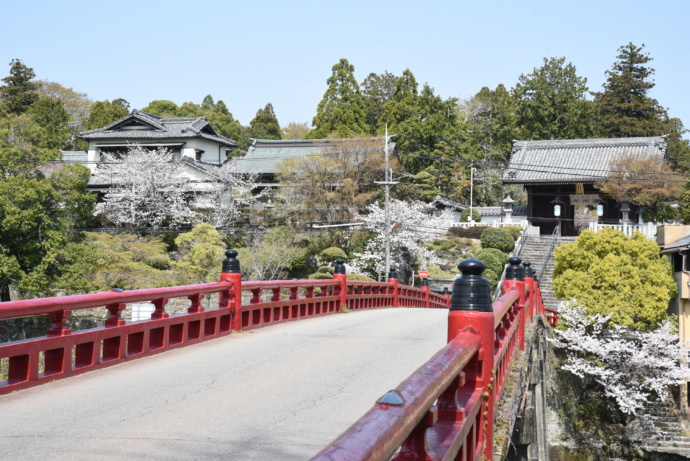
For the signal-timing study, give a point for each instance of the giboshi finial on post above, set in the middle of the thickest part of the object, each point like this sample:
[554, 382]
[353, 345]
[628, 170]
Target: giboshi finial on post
[231, 265]
[471, 291]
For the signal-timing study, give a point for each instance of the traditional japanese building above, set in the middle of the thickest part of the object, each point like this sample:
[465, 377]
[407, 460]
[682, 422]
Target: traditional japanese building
[560, 177]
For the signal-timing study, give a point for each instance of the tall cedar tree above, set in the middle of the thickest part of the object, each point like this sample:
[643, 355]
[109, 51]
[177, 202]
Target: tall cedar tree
[552, 103]
[625, 109]
[377, 90]
[19, 92]
[103, 113]
[265, 124]
[341, 111]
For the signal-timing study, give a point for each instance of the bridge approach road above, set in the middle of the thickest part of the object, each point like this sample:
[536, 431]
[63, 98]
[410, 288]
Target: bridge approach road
[277, 393]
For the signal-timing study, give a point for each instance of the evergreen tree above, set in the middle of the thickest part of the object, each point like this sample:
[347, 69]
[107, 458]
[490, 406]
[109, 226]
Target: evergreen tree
[552, 103]
[403, 103]
[377, 90]
[341, 110]
[265, 124]
[103, 113]
[19, 92]
[625, 109]
[51, 128]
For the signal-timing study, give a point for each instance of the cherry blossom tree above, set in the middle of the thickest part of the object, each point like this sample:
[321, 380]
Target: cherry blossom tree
[147, 189]
[629, 364]
[411, 226]
[235, 192]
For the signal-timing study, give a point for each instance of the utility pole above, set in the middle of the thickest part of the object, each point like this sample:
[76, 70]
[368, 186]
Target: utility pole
[387, 215]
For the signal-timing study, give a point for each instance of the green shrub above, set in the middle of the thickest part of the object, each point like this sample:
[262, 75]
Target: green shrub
[320, 276]
[465, 215]
[435, 272]
[332, 253]
[325, 269]
[494, 259]
[515, 231]
[472, 232]
[359, 277]
[498, 238]
[492, 277]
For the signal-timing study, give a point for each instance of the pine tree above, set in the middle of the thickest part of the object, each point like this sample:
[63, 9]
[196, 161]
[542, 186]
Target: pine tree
[552, 103]
[625, 109]
[265, 124]
[377, 90]
[341, 111]
[19, 92]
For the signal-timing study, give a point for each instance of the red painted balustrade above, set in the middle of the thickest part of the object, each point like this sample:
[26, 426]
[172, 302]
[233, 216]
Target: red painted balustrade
[445, 409]
[242, 305]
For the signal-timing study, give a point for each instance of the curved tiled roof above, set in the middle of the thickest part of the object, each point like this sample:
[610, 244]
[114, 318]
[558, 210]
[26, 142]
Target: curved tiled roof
[573, 160]
[157, 127]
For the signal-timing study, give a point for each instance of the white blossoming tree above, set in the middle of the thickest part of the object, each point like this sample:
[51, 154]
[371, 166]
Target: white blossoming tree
[411, 227]
[235, 192]
[629, 364]
[146, 189]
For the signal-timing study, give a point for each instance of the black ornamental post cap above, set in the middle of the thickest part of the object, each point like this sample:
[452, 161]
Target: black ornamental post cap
[528, 269]
[471, 291]
[425, 282]
[339, 266]
[393, 274]
[231, 265]
[514, 270]
[445, 291]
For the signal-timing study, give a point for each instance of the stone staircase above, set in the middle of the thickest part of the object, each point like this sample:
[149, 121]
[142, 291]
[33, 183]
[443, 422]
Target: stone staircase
[671, 433]
[534, 250]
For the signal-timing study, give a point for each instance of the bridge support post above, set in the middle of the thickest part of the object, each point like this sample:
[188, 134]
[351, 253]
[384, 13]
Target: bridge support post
[339, 273]
[393, 279]
[471, 309]
[514, 280]
[530, 284]
[427, 294]
[231, 273]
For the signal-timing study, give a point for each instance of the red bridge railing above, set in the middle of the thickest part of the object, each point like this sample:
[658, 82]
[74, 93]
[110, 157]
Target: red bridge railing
[445, 409]
[242, 305]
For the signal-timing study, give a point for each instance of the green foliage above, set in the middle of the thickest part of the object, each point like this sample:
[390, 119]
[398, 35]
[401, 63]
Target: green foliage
[500, 239]
[321, 276]
[465, 215]
[103, 113]
[377, 90]
[37, 215]
[162, 107]
[494, 259]
[609, 273]
[341, 111]
[492, 277]
[19, 92]
[625, 109]
[552, 103]
[515, 231]
[435, 272]
[202, 252]
[684, 204]
[265, 124]
[428, 184]
[360, 277]
[331, 254]
[659, 212]
[130, 262]
[51, 130]
[474, 232]
[295, 130]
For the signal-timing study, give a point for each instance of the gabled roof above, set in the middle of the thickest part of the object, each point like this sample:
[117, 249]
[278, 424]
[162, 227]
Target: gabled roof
[573, 160]
[264, 155]
[141, 125]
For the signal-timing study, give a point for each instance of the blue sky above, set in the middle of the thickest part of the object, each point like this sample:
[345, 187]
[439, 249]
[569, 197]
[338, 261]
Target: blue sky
[252, 53]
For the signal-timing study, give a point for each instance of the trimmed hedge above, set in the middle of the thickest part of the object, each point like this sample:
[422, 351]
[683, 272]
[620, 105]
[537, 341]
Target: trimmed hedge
[500, 239]
[494, 259]
[471, 232]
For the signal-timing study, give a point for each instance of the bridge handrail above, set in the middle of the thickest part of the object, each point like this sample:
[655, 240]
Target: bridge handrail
[40, 306]
[383, 429]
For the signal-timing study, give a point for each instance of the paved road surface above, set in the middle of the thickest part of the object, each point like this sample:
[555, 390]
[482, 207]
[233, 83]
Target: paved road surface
[278, 393]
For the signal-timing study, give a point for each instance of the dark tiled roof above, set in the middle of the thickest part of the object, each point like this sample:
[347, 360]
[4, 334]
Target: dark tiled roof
[677, 245]
[264, 155]
[75, 156]
[158, 128]
[573, 160]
